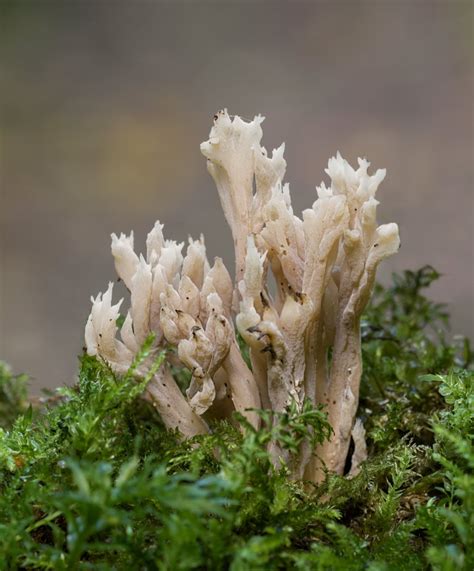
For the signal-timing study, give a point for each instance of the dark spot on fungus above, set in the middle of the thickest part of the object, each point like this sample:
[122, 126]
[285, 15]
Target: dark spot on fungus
[298, 296]
[253, 329]
[269, 349]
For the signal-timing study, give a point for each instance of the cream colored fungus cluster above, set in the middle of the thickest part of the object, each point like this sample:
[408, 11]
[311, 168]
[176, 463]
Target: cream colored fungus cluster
[301, 285]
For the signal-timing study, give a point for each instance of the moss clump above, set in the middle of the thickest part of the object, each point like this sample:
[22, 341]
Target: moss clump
[91, 480]
[13, 395]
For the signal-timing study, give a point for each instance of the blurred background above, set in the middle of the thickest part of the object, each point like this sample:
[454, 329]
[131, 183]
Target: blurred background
[104, 104]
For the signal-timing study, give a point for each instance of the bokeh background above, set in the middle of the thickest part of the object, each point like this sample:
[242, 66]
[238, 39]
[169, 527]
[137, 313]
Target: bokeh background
[104, 104]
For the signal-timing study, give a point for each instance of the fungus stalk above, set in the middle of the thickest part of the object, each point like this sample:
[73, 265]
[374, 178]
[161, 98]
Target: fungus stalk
[323, 266]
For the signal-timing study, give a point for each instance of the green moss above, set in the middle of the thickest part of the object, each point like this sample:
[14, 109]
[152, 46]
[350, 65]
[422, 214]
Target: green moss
[93, 481]
[13, 395]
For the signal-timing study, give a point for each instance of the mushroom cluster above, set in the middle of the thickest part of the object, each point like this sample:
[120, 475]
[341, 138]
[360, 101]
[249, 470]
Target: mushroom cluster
[300, 287]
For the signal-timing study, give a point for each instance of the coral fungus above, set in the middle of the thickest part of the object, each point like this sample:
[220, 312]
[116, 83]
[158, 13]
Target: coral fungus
[303, 332]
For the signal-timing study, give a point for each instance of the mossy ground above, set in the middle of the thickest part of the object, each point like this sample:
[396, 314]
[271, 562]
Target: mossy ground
[91, 480]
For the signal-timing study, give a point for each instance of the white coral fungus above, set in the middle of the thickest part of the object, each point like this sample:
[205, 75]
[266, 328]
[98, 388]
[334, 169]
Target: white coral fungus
[323, 265]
